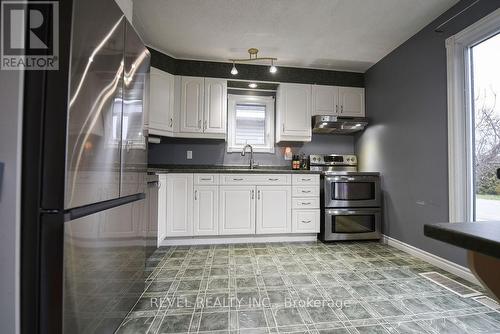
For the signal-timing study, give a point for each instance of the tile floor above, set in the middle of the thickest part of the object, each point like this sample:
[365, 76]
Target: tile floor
[351, 288]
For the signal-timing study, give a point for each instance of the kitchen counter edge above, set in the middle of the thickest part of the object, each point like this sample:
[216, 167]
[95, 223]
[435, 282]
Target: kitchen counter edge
[229, 170]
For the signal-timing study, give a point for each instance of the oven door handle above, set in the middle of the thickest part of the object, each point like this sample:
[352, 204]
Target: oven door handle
[341, 178]
[352, 178]
[347, 212]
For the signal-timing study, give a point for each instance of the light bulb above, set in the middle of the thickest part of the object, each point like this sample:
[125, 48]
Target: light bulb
[234, 71]
[252, 85]
[273, 69]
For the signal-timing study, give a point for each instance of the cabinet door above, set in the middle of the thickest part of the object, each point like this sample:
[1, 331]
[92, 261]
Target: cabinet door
[324, 100]
[162, 207]
[192, 95]
[161, 101]
[179, 205]
[274, 214]
[206, 210]
[237, 210]
[294, 113]
[352, 101]
[215, 111]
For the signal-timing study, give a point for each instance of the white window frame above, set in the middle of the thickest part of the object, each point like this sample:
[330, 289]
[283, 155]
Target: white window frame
[460, 113]
[232, 101]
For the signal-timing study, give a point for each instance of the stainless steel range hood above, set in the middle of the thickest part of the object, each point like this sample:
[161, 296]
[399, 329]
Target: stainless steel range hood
[338, 124]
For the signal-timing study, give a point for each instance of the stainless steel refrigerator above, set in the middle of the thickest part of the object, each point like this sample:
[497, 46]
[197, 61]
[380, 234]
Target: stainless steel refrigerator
[84, 225]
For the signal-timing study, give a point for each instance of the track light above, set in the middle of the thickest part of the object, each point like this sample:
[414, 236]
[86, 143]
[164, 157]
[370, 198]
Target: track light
[252, 52]
[252, 85]
[234, 71]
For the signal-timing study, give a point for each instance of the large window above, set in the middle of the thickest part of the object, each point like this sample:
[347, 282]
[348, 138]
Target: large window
[250, 121]
[474, 121]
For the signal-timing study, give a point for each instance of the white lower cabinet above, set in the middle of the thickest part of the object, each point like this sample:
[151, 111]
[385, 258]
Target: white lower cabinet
[230, 204]
[305, 221]
[179, 205]
[273, 209]
[305, 204]
[162, 207]
[206, 210]
[237, 210]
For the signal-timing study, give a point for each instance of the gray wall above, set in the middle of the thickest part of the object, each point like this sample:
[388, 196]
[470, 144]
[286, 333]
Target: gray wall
[205, 151]
[10, 155]
[407, 139]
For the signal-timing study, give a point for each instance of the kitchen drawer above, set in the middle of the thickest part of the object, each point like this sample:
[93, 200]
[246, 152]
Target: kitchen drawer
[305, 221]
[206, 179]
[256, 179]
[305, 203]
[305, 179]
[305, 191]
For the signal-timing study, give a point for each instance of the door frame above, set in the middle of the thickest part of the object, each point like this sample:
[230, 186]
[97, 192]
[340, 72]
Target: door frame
[460, 113]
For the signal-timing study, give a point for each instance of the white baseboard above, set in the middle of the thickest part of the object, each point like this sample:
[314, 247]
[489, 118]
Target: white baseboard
[235, 239]
[439, 262]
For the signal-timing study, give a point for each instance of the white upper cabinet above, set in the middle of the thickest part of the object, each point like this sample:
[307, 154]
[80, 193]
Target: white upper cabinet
[215, 108]
[274, 214]
[203, 109]
[179, 205]
[339, 101]
[293, 114]
[161, 102]
[352, 101]
[325, 100]
[192, 99]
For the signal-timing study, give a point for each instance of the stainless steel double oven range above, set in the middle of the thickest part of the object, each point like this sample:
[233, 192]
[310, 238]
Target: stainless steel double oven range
[350, 200]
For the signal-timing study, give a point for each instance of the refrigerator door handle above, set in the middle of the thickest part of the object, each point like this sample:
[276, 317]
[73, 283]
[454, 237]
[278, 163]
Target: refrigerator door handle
[86, 210]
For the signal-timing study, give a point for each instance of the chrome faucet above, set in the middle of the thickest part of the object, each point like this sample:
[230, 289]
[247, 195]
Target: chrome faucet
[252, 162]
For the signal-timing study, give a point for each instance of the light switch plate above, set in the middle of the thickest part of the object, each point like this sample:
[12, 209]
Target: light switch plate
[189, 155]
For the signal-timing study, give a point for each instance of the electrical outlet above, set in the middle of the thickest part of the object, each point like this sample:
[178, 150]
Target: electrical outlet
[189, 155]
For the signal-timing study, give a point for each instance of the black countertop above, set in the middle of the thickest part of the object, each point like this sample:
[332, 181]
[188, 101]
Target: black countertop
[481, 237]
[226, 169]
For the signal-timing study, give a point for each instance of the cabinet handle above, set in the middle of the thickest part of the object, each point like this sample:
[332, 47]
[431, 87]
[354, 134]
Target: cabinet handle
[306, 179]
[199, 123]
[205, 125]
[306, 203]
[253, 194]
[337, 108]
[171, 122]
[270, 179]
[206, 179]
[196, 195]
[283, 127]
[237, 179]
[306, 221]
[341, 109]
[306, 191]
[258, 194]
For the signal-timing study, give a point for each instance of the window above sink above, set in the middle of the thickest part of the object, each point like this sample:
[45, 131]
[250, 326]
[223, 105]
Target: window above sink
[250, 121]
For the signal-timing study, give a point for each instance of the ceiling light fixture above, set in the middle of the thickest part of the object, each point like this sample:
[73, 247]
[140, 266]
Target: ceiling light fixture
[252, 52]
[252, 85]
[234, 71]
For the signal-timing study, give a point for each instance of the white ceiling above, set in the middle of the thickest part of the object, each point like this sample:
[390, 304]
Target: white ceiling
[330, 34]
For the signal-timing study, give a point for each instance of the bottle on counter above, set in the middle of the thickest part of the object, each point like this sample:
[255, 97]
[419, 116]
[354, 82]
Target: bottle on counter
[295, 162]
[304, 161]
